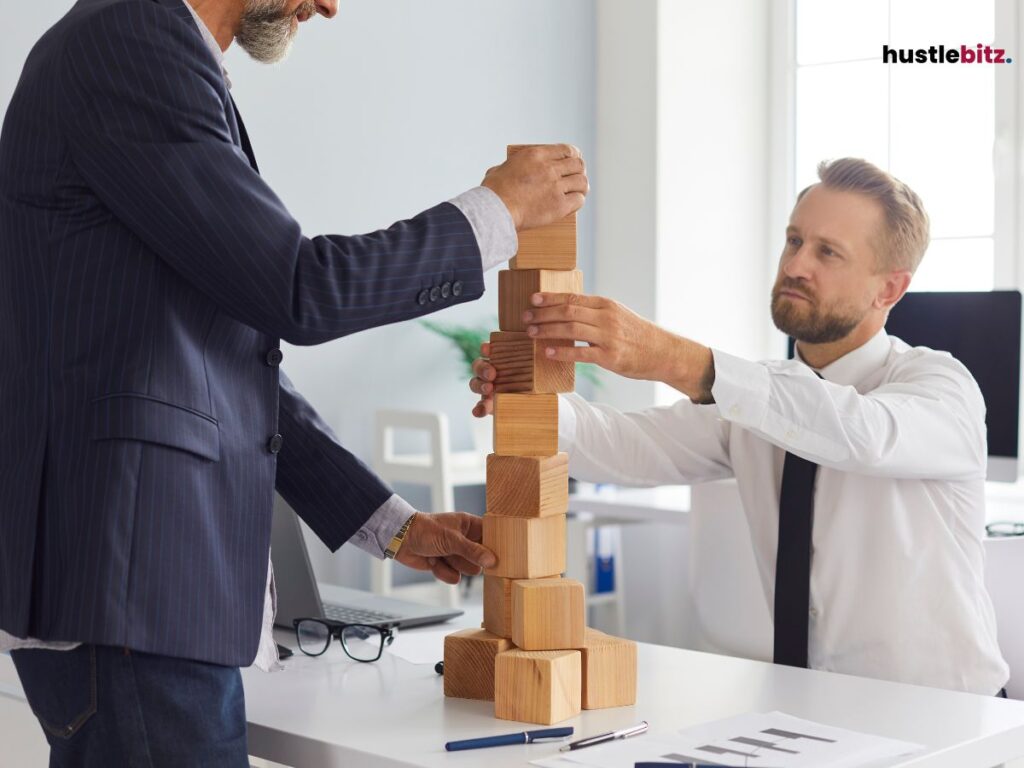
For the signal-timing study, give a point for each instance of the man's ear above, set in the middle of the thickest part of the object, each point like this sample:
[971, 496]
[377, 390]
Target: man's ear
[895, 285]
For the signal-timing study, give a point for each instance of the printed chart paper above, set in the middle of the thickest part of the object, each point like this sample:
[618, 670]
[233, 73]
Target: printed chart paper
[769, 740]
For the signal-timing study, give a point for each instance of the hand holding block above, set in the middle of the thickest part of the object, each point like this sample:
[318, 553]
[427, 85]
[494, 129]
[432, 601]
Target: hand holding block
[526, 547]
[550, 247]
[516, 286]
[548, 614]
[527, 486]
[609, 671]
[498, 605]
[469, 663]
[522, 366]
[525, 425]
[542, 687]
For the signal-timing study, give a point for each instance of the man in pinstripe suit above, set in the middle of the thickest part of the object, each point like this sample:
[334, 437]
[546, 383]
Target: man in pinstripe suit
[147, 275]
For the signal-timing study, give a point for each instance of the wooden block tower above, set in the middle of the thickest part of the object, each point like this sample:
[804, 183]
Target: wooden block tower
[534, 657]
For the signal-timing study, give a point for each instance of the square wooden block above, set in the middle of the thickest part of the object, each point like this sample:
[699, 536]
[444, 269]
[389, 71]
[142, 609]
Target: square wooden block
[516, 286]
[526, 547]
[469, 663]
[522, 365]
[525, 425]
[498, 605]
[527, 486]
[609, 671]
[548, 614]
[542, 687]
[549, 247]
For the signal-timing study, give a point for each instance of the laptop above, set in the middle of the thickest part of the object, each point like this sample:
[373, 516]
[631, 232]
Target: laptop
[298, 595]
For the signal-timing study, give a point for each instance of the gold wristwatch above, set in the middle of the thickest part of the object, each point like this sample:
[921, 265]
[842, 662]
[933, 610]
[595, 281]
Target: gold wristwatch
[396, 541]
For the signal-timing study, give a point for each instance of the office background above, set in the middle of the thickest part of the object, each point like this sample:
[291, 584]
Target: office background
[699, 122]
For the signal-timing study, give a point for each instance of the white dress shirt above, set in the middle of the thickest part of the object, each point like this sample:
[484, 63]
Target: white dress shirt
[497, 240]
[897, 575]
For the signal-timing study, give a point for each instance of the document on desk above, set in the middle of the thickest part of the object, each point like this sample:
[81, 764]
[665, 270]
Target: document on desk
[767, 740]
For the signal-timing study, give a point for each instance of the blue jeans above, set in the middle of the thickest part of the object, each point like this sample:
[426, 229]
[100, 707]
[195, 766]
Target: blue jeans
[102, 706]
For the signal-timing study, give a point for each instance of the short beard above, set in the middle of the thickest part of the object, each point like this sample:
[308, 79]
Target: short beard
[812, 326]
[266, 29]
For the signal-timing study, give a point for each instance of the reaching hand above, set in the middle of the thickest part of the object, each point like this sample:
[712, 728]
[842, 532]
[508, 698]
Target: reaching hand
[483, 382]
[540, 185]
[447, 544]
[617, 339]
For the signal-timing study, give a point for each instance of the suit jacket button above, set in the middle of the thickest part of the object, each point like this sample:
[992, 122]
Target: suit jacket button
[274, 357]
[423, 298]
[457, 288]
[446, 290]
[275, 443]
[435, 293]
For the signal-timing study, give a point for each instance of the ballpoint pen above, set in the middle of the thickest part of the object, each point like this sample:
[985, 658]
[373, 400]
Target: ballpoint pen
[636, 730]
[523, 737]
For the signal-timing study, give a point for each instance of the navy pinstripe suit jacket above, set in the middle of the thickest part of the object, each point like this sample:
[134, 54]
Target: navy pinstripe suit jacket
[147, 274]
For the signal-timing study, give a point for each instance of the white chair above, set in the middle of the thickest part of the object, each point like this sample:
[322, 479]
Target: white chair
[439, 469]
[1004, 573]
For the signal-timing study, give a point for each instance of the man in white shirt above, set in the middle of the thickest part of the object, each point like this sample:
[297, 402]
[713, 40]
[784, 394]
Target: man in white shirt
[860, 464]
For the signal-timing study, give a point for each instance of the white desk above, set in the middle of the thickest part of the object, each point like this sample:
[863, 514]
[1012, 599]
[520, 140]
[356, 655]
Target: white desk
[333, 712]
[610, 505]
[327, 712]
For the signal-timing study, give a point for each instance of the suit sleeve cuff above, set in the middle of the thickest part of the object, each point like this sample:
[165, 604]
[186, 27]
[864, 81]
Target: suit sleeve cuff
[492, 224]
[377, 532]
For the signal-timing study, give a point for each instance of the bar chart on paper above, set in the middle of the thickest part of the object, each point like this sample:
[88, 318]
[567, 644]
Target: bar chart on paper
[768, 740]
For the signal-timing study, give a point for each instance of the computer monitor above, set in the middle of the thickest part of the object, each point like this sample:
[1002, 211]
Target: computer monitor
[982, 330]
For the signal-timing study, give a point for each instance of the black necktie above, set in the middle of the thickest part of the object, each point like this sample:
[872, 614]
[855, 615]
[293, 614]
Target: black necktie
[244, 136]
[793, 563]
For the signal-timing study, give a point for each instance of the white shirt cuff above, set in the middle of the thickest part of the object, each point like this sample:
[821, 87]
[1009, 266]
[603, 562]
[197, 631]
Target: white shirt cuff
[377, 532]
[492, 224]
[740, 389]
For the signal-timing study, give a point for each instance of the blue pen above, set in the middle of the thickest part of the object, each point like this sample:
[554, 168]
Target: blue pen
[523, 737]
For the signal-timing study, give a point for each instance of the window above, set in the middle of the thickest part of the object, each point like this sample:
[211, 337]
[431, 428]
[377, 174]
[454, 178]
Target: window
[932, 125]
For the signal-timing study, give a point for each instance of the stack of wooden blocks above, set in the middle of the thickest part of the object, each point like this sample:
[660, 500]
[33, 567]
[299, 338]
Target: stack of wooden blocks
[534, 657]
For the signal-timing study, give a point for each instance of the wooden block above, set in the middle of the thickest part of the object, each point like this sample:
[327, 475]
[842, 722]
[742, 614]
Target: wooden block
[542, 687]
[516, 286]
[498, 605]
[525, 425]
[526, 547]
[549, 247]
[469, 663]
[548, 614]
[609, 671]
[522, 366]
[527, 486]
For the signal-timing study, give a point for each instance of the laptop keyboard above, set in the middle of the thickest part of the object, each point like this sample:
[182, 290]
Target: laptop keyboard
[349, 615]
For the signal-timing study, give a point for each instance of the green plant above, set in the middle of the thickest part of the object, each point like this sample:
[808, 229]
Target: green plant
[467, 339]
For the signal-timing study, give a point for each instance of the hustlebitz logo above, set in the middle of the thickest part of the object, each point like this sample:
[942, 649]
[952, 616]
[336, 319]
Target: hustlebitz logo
[946, 54]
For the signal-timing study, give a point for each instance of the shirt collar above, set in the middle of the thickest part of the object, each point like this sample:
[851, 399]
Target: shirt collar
[853, 367]
[210, 40]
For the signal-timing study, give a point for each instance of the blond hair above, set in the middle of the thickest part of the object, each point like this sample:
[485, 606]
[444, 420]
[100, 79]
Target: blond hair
[905, 238]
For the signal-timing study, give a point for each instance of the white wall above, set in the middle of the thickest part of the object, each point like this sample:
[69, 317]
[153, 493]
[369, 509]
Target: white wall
[681, 228]
[713, 279]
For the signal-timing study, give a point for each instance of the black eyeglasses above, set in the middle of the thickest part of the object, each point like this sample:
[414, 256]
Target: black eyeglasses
[1004, 529]
[361, 642]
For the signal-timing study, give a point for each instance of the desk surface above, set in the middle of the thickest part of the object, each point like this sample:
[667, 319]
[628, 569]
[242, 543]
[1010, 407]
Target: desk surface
[664, 504]
[334, 712]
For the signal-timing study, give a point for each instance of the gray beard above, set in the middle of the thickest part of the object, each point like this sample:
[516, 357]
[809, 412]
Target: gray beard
[265, 31]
